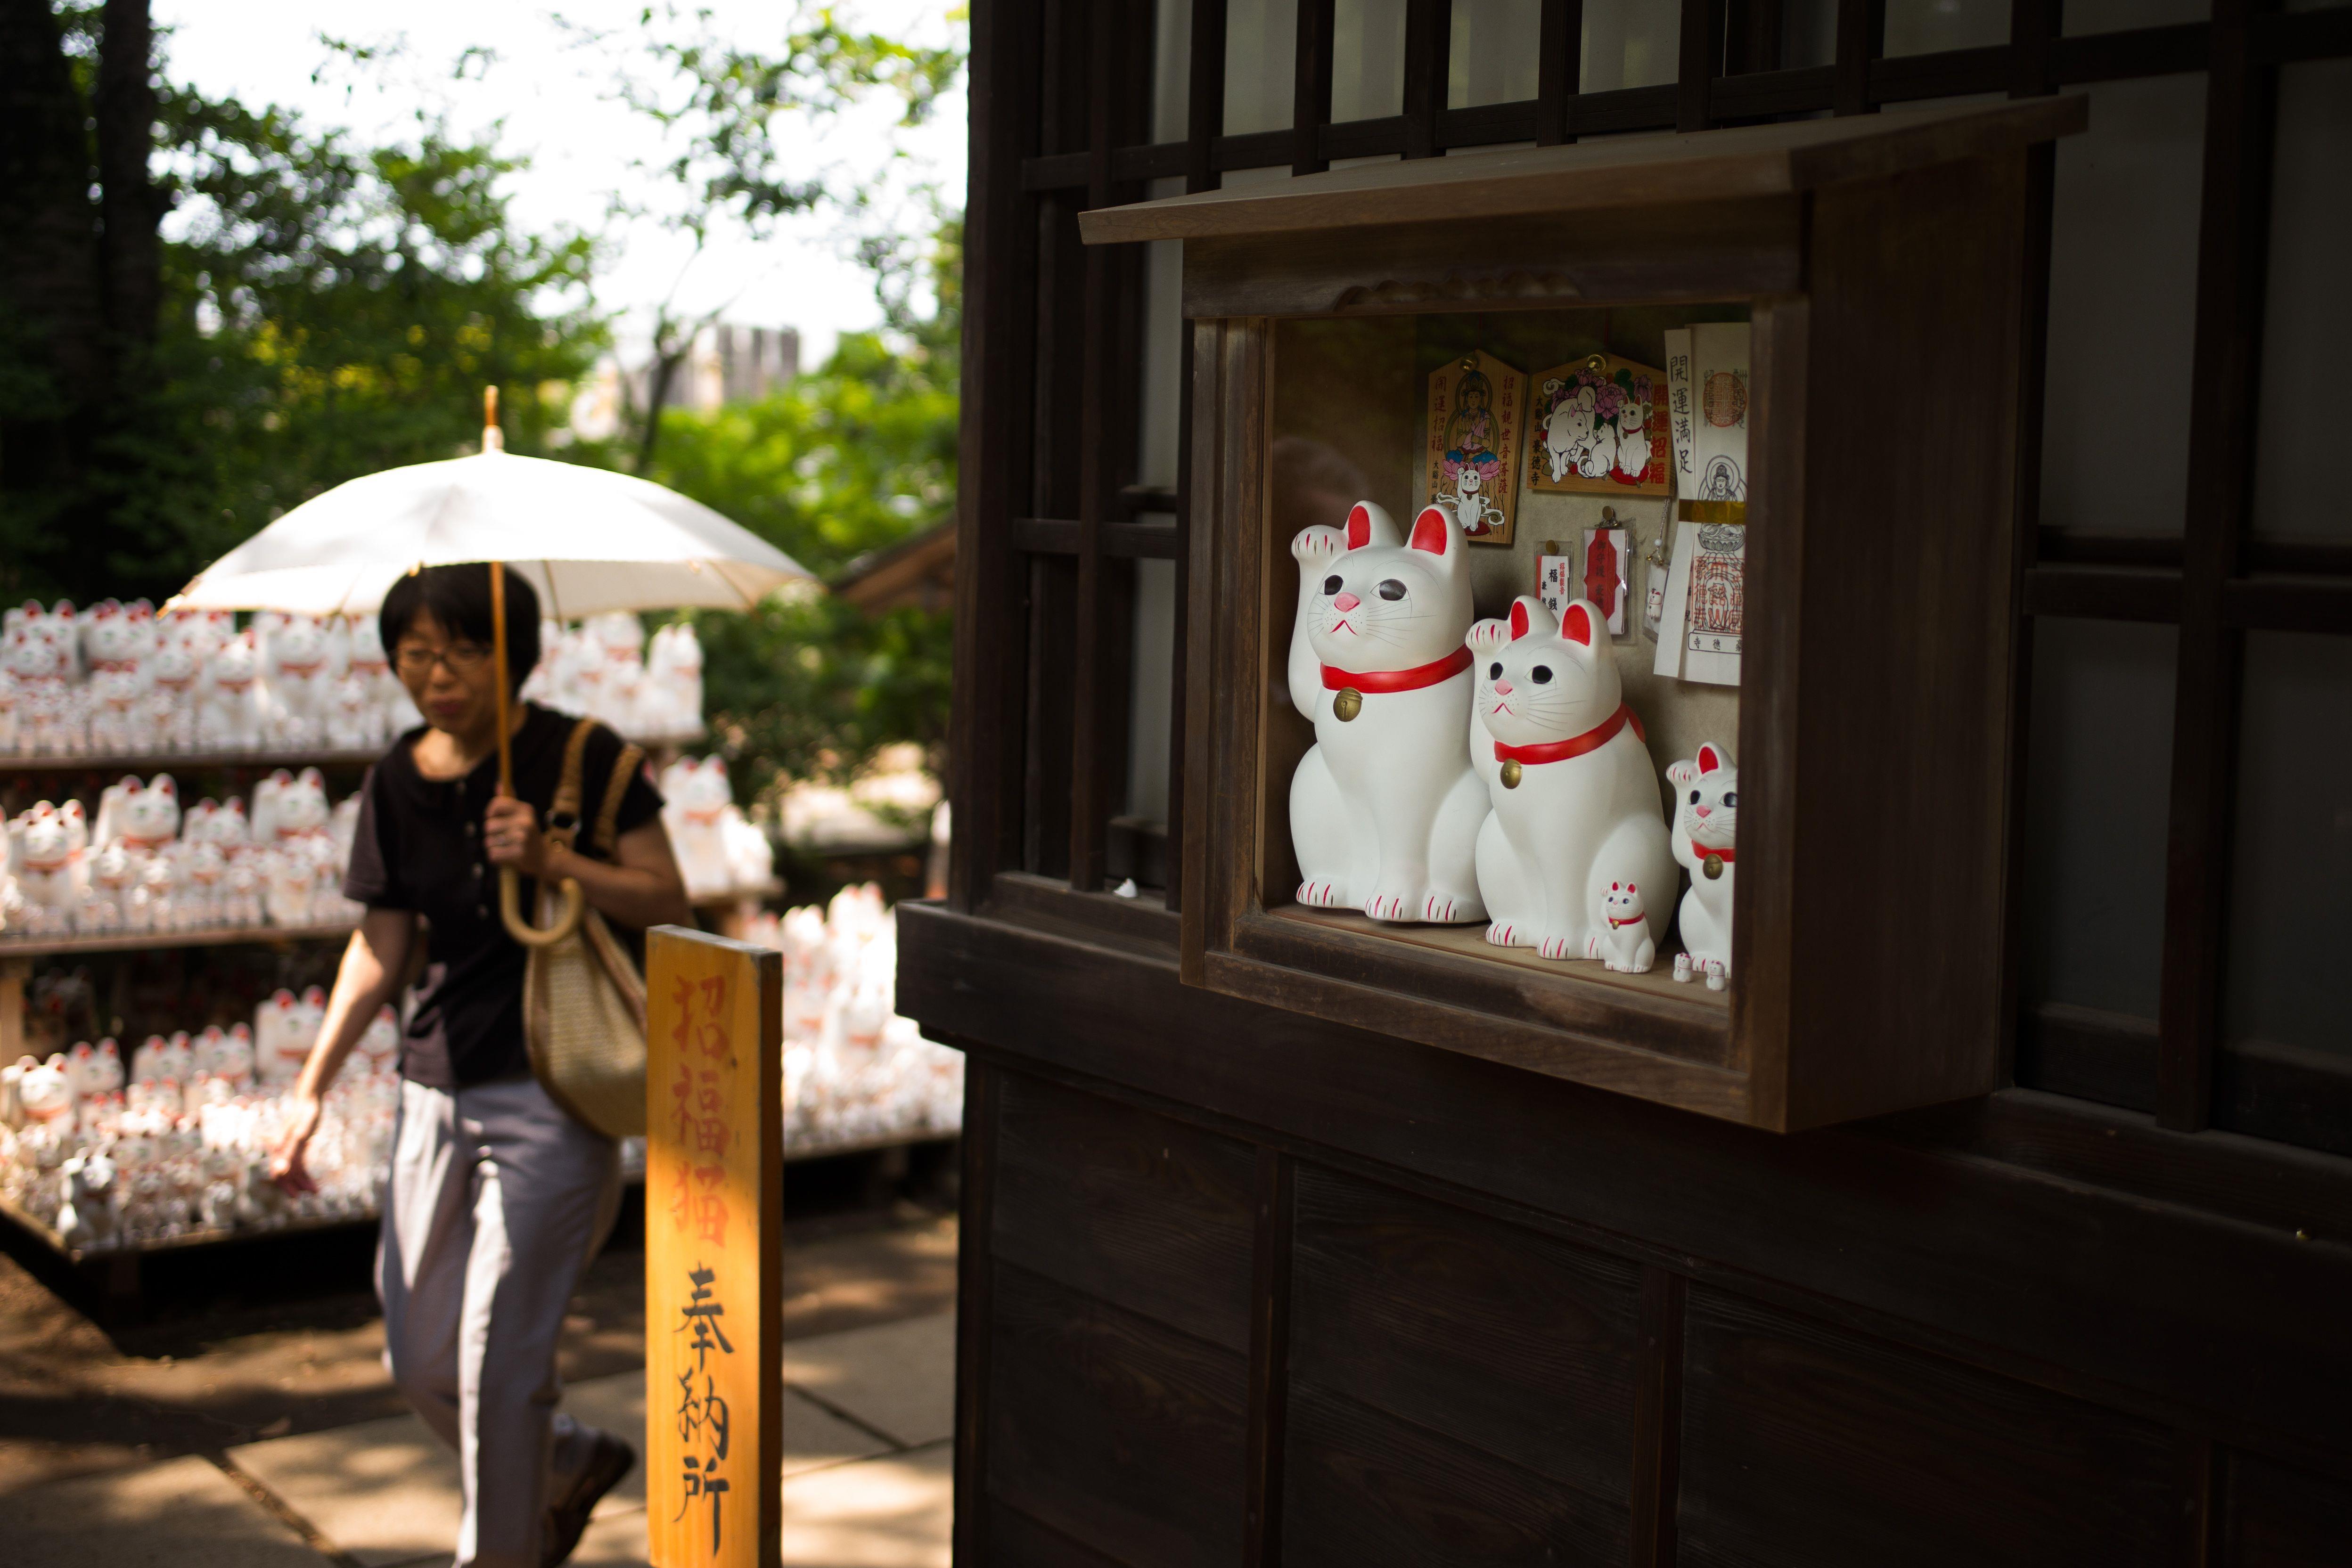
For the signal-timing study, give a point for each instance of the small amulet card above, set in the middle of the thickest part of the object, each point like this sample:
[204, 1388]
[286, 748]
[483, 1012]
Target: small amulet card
[1477, 413]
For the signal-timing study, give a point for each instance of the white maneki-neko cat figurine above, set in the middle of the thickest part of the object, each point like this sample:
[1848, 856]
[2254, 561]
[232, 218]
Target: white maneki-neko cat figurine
[1384, 807]
[1576, 831]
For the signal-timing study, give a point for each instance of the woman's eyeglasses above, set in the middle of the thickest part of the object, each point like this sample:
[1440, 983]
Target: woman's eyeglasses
[463, 659]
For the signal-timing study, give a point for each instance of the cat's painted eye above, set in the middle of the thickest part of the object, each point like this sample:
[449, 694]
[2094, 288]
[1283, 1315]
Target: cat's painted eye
[1495, 672]
[1391, 589]
[1694, 799]
[1331, 584]
[1542, 674]
[1732, 799]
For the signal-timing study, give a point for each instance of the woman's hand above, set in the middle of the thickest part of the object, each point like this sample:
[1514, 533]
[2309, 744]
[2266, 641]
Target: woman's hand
[510, 833]
[286, 1166]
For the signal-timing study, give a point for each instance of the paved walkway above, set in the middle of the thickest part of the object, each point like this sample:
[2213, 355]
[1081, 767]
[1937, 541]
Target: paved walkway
[868, 1416]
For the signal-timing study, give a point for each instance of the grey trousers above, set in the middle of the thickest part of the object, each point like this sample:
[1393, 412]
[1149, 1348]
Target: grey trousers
[496, 1202]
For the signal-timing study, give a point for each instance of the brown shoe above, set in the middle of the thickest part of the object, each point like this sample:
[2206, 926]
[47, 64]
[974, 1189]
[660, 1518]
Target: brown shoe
[567, 1520]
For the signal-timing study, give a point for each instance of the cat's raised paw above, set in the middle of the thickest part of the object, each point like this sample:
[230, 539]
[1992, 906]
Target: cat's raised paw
[1316, 545]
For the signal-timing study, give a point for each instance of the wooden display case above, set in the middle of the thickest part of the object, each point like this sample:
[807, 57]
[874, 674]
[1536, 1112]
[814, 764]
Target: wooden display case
[1882, 263]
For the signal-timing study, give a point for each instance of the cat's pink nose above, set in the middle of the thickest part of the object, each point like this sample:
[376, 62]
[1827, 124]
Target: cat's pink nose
[1702, 811]
[1502, 688]
[1346, 601]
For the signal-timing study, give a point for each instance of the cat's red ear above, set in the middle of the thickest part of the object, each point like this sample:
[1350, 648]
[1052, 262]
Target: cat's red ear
[1518, 621]
[1709, 759]
[1359, 527]
[1576, 625]
[1430, 530]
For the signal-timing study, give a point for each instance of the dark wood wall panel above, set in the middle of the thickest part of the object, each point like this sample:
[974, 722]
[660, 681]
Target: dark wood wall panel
[1019, 1541]
[2282, 1518]
[1805, 1447]
[1122, 1433]
[2071, 1271]
[1511, 1342]
[1367, 1490]
[1148, 1213]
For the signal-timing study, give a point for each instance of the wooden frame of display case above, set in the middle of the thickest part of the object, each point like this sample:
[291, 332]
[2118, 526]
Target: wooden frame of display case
[1884, 263]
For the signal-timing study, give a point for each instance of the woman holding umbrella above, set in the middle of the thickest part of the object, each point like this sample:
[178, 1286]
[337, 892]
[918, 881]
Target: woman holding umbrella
[498, 1198]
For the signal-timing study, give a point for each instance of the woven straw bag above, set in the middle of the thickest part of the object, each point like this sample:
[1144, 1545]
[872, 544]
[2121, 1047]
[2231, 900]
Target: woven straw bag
[584, 1000]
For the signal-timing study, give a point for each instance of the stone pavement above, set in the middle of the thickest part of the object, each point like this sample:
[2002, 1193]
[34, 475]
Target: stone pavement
[867, 1419]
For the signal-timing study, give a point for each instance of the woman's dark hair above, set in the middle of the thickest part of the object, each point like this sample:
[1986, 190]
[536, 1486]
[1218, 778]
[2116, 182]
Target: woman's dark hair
[458, 597]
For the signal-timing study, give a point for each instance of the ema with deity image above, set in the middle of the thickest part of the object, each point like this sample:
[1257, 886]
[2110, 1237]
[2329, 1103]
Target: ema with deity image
[1476, 406]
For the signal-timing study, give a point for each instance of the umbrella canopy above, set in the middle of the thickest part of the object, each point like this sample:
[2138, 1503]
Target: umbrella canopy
[588, 539]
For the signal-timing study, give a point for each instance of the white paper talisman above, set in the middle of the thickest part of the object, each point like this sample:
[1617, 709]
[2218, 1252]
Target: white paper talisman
[1720, 386]
[1715, 595]
[1682, 412]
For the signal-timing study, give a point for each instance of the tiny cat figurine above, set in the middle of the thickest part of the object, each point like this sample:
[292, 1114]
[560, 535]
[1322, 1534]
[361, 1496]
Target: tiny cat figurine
[1384, 807]
[1575, 799]
[1706, 819]
[1625, 944]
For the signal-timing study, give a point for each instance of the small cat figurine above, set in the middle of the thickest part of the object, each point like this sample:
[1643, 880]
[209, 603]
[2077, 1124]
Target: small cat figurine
[1706, 820]
[1625, 945]
[1384, 807]
[1575, 799]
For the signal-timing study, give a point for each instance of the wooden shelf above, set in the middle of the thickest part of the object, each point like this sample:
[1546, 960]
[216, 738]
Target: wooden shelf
[186, 761]
[771, 888]
[161, 941]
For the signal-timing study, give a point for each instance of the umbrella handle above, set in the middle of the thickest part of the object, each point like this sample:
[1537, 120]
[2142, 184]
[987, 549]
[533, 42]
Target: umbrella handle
[567, 919]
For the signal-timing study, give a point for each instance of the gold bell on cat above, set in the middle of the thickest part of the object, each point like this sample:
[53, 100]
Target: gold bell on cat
[1347, 704]
[1511, 774]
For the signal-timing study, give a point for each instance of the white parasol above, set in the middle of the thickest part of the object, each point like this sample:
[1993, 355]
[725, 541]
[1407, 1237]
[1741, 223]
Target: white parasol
[588, 539]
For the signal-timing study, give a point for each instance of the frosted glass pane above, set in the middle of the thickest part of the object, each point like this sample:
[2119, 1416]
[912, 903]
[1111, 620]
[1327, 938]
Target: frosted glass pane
[1155, 679]
[2098, 773]
[2115, 16]
[1172, 69]
[1163, 353]
[1367, 60]
[1629, 43]
[2299, 489]
[2123, 293]
[1809, 32]
[1928, 27]
[1494, 53]
[1261, 64]
[2291, 902]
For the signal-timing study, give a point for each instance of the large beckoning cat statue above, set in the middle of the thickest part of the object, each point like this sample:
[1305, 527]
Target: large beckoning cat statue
[1384, 808]
[1575, 800]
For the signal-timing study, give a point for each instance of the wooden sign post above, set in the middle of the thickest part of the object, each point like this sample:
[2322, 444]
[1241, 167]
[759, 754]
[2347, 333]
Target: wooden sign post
[714, 1254]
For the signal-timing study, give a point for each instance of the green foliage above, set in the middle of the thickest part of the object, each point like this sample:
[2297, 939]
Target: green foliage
[330, 312]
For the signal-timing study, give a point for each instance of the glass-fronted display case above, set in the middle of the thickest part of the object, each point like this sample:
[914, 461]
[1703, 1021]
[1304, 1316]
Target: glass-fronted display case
[1549, 514]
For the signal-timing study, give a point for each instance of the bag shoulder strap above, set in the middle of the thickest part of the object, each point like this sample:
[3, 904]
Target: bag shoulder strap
[563, 811]
[616, 788]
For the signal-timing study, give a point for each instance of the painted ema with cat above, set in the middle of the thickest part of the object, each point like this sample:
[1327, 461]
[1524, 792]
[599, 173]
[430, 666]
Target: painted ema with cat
[1385, 808]
[1576, 831]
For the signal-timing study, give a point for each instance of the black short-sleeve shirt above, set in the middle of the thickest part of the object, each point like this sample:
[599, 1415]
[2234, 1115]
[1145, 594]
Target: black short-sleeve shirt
[418, 847]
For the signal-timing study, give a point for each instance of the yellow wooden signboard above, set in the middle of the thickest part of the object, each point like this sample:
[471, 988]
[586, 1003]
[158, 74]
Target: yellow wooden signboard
[714, 1257]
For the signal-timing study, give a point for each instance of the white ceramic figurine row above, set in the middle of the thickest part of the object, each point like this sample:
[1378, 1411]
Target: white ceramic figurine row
[123, 680]
[719, 851]
[854, 1071]
[142, 866]
[603, 669]
[179, 1142]
[1490, 772]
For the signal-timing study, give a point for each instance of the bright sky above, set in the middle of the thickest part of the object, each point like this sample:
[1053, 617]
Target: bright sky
[554, 94]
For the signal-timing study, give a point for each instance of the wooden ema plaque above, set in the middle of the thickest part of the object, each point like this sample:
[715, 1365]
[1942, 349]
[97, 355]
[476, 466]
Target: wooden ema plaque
[714, 1256]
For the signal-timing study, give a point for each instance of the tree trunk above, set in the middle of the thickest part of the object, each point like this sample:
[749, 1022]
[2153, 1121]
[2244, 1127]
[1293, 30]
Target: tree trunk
[53, 361]
[132, 250]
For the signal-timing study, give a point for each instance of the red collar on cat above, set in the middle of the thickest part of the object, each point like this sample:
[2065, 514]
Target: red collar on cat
[1702, 850]
[1629, 920]
[1592, 739]
[1339, 680]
